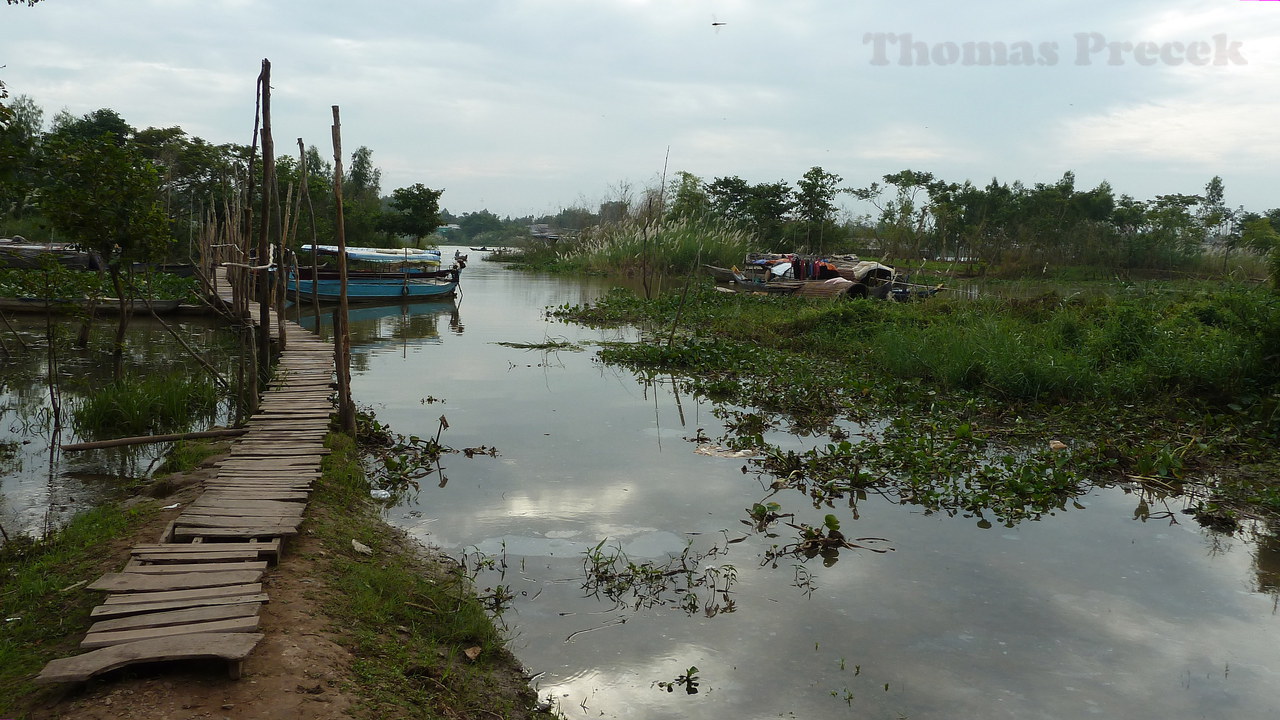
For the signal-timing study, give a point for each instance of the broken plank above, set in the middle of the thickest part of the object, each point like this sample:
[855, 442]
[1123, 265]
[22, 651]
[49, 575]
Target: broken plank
[137, 598]
[179, 548]
[119, 637]
[221, 557]
[232, 647]
[143, 582]
[129, 609]
[177, 617]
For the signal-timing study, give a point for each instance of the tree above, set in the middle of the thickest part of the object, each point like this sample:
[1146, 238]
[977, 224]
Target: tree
[474, 223]
[688, 197]
[105, 196]
[415, 211]
[19, 143]
[362, 208]
[815, 207]
[761, 208]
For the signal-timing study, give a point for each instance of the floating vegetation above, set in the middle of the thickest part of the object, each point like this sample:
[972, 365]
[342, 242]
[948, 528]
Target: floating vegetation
[688, 680]
[673, 583]
[545, 345]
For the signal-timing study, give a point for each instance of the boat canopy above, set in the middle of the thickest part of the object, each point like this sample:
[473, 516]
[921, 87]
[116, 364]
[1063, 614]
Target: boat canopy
[381, 255]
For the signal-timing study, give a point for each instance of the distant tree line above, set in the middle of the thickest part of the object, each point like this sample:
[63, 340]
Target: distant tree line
[143, 194]
[914, 215]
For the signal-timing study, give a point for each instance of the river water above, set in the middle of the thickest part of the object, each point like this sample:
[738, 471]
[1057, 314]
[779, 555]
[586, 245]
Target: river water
[40, 485]
[1123, 608]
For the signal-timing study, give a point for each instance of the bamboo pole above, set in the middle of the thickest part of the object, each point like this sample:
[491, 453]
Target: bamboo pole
[145, 439]
[342, 340]
[311, 212]
[264, 225]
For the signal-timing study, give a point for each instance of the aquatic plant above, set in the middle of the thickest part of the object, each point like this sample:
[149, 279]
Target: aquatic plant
[140, 405]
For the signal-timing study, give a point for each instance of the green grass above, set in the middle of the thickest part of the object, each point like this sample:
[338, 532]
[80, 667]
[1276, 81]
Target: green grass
[632, 247]
[149, 404]
[39, 592]
[408, 618]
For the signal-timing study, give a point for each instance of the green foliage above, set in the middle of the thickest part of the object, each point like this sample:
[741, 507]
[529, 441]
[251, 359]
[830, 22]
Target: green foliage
[43, 609]
[59, 283]
[146, 405]
[104, 195]
[415, 211]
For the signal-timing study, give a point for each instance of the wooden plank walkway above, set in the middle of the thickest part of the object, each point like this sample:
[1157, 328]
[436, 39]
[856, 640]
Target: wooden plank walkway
[196, 594]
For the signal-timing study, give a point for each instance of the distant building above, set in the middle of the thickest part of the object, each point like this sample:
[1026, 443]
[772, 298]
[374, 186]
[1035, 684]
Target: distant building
[543, 231]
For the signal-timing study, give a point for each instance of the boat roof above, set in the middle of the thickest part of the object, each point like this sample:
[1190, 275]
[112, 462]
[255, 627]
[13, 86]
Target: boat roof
[387, 255]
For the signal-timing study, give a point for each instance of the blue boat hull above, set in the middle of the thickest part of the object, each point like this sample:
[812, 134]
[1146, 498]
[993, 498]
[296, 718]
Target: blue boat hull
[376, 289]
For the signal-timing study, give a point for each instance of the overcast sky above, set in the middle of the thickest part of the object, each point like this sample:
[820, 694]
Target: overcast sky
[528, 106]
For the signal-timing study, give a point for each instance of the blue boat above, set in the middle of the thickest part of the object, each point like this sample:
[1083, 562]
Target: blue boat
[373, 287]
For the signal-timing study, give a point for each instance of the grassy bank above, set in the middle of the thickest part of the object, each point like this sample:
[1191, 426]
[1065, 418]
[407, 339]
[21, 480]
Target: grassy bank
[1180, 385]
[44, 614]
[421, 642]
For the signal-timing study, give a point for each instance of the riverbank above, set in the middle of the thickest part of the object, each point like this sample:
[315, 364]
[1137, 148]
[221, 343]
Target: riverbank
[392, 633]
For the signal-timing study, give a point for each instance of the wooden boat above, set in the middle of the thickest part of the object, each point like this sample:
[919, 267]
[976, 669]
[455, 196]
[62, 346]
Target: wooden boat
[379, 275]
[16, 252]
[399, 256]
[375, 286]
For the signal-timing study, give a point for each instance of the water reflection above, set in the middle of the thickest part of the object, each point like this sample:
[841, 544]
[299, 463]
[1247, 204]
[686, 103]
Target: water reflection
[1119, 607]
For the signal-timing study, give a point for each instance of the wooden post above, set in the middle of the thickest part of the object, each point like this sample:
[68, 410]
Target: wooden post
[342, 340]
[311, 212]
[264, 226]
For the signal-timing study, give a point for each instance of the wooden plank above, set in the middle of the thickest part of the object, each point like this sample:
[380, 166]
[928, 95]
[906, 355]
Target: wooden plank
[245, 532]
[144, 582]
[179, 548]
[232, 647]
[279, 495]
[177, 617]
[221, 557]
[291, 510]
[128, 609]
[170, 568]
[120, 637]
[225, 521]
[138, 598]
[224, 503]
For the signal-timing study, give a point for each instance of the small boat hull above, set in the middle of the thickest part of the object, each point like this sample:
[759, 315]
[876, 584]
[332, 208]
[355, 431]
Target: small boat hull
[369, 289]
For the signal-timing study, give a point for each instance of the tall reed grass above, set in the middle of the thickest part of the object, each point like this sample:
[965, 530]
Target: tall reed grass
[631, 247]
[145, 405]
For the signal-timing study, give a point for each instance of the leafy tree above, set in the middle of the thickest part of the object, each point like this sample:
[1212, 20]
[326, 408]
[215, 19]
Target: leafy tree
[93, 125]
[415, 211]
[362, 207]
[474, 223]
[815, 208]
[105, 196]
[761, 208]
[1259, 235]
[904, 217]
[689, 199]
[19, 144]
